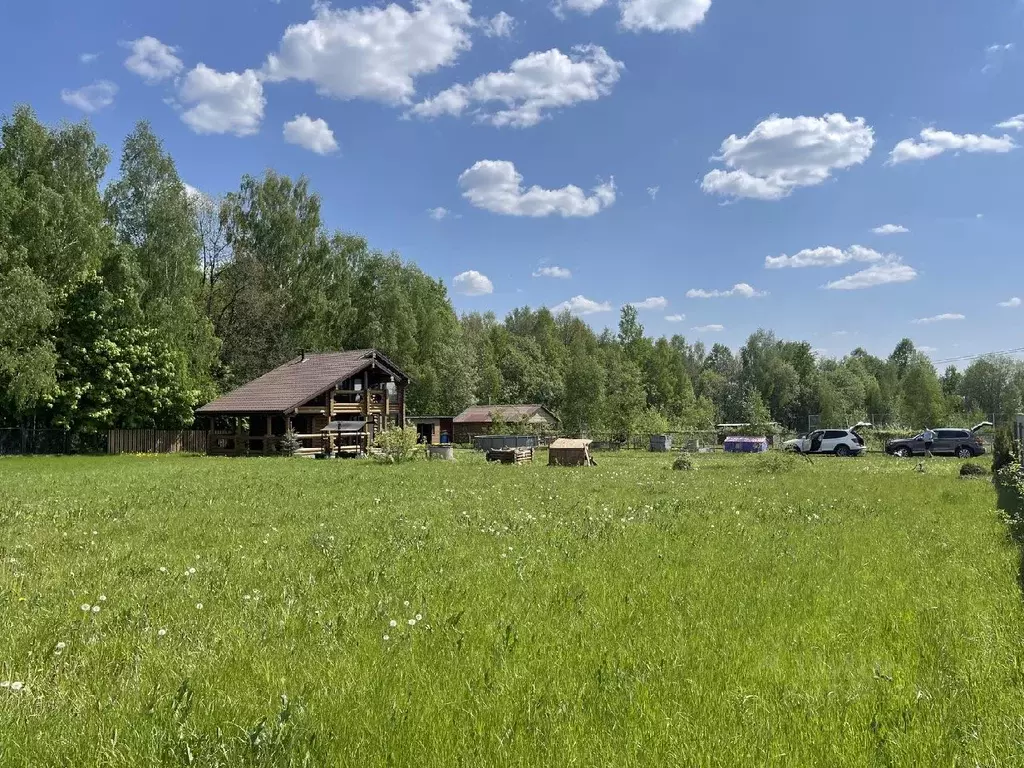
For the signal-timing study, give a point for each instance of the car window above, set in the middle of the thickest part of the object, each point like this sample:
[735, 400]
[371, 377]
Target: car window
[835, 434]
[816, 435]
[947, 434]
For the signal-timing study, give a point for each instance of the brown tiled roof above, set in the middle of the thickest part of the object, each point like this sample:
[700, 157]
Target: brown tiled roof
[297, 381]
[481, 414]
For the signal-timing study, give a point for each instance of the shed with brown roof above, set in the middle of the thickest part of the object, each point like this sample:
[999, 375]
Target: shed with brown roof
[303, 397]
[480, 419]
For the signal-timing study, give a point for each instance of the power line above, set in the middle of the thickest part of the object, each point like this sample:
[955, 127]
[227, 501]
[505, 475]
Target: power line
[1018, 350]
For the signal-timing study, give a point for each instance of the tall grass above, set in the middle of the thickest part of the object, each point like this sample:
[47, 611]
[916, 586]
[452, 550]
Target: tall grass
[845, 612]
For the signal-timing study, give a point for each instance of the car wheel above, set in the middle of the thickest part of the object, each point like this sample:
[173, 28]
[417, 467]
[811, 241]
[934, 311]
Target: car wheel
[842, 450]
[903, 453]
[964, 453]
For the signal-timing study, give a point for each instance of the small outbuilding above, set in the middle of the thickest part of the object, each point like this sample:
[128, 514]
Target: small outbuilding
[566, 452]
[740, 444]
[481, 420]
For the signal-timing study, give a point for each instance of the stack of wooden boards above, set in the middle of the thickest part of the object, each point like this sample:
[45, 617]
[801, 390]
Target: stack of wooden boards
[511, 455]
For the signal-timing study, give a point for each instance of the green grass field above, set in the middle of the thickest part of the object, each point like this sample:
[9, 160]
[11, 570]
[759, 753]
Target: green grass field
[291, 612]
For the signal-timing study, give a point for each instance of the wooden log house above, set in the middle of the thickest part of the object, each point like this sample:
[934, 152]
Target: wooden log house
[334, 403]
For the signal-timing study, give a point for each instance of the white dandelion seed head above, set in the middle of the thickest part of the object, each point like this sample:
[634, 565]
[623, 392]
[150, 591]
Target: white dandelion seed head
[61, 645]
[386, 638]
[405, 603]
[5, 683]
[412, 622]
[86, 607]
[163, 569]
[17, 686]
[419, 617]
[161, 632]
[247, 597]
[95, 609]
[199, 606]
[191, 571]
[392, 623]
[103, 598]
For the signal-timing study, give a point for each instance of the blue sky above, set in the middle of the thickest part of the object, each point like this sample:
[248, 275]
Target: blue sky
[785, 129]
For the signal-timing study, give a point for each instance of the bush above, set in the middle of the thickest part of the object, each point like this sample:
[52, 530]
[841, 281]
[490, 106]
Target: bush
[776, 462]
[397, 445]
[683, 463]
[972, 470]
[289, 445]
[1003, 450]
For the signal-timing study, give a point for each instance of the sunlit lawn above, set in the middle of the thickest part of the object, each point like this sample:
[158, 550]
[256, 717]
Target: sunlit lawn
[298, 612]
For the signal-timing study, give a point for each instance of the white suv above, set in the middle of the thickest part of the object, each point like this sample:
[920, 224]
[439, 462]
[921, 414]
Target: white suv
[841, 442]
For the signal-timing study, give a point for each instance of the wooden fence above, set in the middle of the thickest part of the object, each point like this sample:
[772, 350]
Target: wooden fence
[156, 441]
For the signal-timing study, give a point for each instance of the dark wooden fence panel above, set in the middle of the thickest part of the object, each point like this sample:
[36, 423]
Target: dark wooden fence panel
[156, 441]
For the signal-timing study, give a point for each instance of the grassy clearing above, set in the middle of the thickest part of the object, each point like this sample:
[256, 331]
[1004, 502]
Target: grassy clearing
[849, 612]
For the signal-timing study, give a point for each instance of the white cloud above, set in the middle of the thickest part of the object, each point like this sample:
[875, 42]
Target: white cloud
[934, 143]
[825, 256]
[743, 290]
[496, 186]
[784, 153]
[581, 305]
[877, 274]
[994, 55]
[310, 134]
[653, 302]
[675, 318]
[926, 350]
[152, 60]
[662, 15]
[890, 229]
[713, 328]
[1014, 302]
[558, 272]
[533, 86]
[437, 213]
[373, 52]
[938, 318]
[472, 283]
[653, 192]
[586, 7]
[88, 58]
[91, 98]
[223, 102]
[499, 25]
[1015, 123]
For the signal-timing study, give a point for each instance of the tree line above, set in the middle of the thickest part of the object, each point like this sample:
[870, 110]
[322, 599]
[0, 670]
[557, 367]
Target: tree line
[130, 302]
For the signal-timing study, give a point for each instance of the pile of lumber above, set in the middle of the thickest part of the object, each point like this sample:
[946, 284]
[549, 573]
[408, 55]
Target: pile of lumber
[511, 455]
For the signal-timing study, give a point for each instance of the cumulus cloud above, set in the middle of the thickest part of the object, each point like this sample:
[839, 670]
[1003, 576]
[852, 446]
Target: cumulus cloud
[653, 302]
[586, 7]
[496, 186]
[933, 143]
[88, 58]
[310, 134]
[558, 272]
[713, 328]
[662, 15]
[91, 98]
[675, 318]
[373, 52]
[1013, 302]
[782, 154]
[653, 192]
[152, 60]
[499, 25]
[473, 283]
[1015, 123]
[890, 229]
[825, 256]
[222, 102]
[938, 318]
[581, 305]
[437, 213]
[743, 290]
[994, 55]
[532, 87]
[877, 274]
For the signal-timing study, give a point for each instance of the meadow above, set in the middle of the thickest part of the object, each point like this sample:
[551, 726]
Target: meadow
[276, 612]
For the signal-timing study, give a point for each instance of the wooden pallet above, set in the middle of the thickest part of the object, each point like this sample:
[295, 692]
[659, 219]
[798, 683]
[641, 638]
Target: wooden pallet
[511, 455]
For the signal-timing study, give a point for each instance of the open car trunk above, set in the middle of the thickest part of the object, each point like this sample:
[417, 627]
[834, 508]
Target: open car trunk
[976, 427]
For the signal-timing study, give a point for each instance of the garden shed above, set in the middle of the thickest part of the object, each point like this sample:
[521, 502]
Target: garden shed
[570, 453]
[740, 444]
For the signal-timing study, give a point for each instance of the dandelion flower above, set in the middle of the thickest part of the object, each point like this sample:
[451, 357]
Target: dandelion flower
[103, 598]
[95, 609]
[412, 622]
[199, 606]
[86, 607]
[60, 646]
[419, 617]
[17, 686]
[191, 571]
[386, 638]
[392, 623]
[161, 632]
[405, 603]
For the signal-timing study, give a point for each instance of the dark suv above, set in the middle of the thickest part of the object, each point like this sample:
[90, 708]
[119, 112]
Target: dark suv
[962, 443]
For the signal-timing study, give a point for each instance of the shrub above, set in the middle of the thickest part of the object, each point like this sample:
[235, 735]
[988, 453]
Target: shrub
[1003, 450]
[776, 462]
[289, 445]
[972, 470]
[683, 463]
[397, 445]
